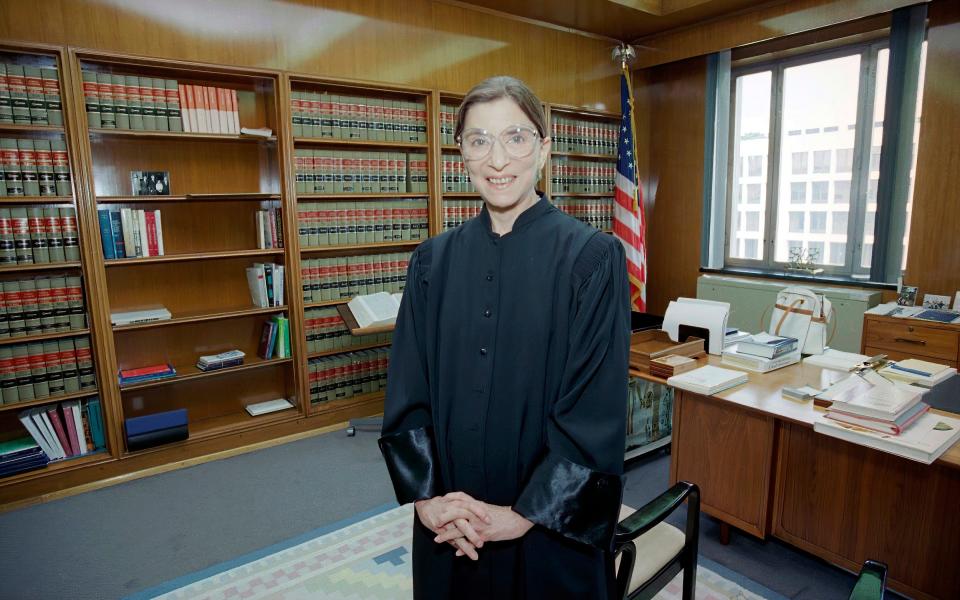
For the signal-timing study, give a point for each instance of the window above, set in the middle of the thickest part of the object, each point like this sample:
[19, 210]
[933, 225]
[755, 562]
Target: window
[818, 222]
[821, 161]
[844, 160]
[820, 191]
[804, 156]
[796, 222]
[798, 192]
[815, 251]
[799, 163]
[839, 226]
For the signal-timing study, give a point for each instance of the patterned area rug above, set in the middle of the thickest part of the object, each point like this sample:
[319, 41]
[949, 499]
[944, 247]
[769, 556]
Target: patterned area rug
[368, 558]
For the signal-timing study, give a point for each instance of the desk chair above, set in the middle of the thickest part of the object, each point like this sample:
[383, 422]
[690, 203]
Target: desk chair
[650, 552]
[872, 582]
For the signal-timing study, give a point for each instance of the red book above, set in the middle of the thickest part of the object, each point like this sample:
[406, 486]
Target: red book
[71, 426]
[150, 219]
[57, 423]
[141, 371]
[186, 109]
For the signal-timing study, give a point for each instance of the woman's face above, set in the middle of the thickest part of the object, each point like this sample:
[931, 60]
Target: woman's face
[501, 179]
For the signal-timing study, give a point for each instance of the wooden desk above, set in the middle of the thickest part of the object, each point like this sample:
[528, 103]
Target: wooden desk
[762, 469]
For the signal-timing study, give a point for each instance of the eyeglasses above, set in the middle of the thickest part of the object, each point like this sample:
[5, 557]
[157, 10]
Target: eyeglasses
[518, 141]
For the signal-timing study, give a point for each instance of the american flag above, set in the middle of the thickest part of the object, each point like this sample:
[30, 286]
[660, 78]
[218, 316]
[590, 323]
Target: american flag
[629, 225]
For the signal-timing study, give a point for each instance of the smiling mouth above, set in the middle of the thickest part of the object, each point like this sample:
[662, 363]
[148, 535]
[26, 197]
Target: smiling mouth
[500, 182]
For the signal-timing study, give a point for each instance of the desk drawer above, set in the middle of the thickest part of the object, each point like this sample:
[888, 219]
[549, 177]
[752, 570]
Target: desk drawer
[910, 339]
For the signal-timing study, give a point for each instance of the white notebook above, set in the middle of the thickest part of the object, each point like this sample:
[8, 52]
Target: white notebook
[374, 310]
[924, 441]
[708, 380]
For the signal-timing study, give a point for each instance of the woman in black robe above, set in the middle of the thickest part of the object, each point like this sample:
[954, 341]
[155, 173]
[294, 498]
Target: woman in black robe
[506, 393]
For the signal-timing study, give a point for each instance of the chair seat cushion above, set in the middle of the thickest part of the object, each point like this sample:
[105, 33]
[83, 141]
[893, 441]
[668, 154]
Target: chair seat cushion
[655, 548]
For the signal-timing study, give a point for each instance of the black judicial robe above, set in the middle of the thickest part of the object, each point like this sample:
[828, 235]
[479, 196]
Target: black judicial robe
[508, 381]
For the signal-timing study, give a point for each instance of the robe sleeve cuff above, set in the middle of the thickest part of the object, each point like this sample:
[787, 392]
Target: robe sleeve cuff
[412, 463]
[572, 500]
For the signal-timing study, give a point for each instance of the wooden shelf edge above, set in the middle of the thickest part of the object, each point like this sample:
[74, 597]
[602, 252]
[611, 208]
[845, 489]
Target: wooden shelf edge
[49, 400]
[174, 258]
[376, 196]
[325, 303]
[609, 157]
[581, 195]
[40, 267]
[359, 143]
[178, 135]
[37, 337]
[194, 373]
[15, 127]
[36, 199]
[66, 464]
[460, 194]
[333, 405]
[324, 353]
[189, 197]
[371, 246]
[231, 314]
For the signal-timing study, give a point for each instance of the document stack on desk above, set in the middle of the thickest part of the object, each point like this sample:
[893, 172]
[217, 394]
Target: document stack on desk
[762, 353]
[888, 417]
[708, 380]
[917, 372]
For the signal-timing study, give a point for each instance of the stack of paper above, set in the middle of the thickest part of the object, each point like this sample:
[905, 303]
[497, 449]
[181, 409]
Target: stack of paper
[767, 346]
[835, 359]
[924, 441]
[881, 407]
[734, 357]
[708, 380]
[918, 372]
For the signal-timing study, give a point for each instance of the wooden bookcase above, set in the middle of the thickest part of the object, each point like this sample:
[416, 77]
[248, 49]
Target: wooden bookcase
[564, 123]
[458, 199]
[335, 124]
[74, 263]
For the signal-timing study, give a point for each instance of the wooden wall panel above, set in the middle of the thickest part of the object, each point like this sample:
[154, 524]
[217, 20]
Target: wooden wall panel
[674, 177]
[415, 42]
[933, 258]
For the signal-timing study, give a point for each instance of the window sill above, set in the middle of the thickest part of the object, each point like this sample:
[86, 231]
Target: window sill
[820, 279]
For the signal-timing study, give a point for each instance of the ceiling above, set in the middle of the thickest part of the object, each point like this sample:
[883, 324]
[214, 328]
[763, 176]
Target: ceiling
[624, 20]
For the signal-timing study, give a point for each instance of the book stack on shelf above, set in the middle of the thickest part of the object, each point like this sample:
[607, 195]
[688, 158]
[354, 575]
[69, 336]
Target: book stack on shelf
[349, 172]
[34, 167]
[145, 374]
[595, 212]
[275, 338]
[156, 429]
[323, 114]
[130, 233]
[581, 176]
[448, 124]
[917, 372]
[134, 102]
[362, 222]
[454, 176]
[38, 235]
[209, 109]
[67, 429]
[583, 136]
[266, 284]
[459, 210]
[326, 332]
[762, 352]
[223, 360]
[46, 369]
[347, 375]
[269, 228]
[30, 95]
[42, 305]
[21, 455]
[327, 279]
[871, 411]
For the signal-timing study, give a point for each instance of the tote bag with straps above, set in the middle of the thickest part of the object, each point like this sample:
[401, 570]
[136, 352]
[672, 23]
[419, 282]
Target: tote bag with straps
[800, 313]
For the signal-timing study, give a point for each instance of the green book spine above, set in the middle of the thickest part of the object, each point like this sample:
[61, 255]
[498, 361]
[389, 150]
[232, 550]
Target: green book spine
[10, 157]
[21, 235]
[38, 370]
[131, 88]
[108, 115]
[45, 304]
[19, 100]
[158, 88]
[16, 326]
[33, 79]
[366, 172]
[118, 90]
[296, 108]
[61, 308]
[299, 168]
[85, 363]
[38, 237]
[27, 158]
[91, 99]
[6, 108]
[51, 355]
[51, 95]
[47, 184]
[336, 111]
[51, 227]
[174, 110]
[4, 321]
[61, 167]
[366, 115]
[68, 365]
[21, 365]
[402, 173]
[148, 107]
[321, 274]
[8, 382]
[325, 114]
[78, 314]
[71, 238]
[29, 299]
[8, 251]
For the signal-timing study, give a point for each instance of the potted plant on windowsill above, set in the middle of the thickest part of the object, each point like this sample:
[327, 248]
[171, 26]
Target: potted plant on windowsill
[804, 262]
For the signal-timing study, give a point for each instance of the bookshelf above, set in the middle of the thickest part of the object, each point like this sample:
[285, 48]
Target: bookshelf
[206, 234]
[582, 165]
[47, 348]
[364, 195]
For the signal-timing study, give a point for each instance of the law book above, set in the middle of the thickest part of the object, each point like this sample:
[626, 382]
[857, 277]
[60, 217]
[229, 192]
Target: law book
[29, 176]
[61, 167]
[118, 90]
[6, 109]
[131, 88]
[174, 110]
[374, 310]
[51, 351]
[155, 86]
[708, 380]
[46, 183]
[19, 100]
[38, 235]
[29, 300]
[21, 235]
[187, 108]
[36, 102]
[106, 234]
[108, 115]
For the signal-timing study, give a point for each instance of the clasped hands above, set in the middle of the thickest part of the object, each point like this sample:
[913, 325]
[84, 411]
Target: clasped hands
[467, 523]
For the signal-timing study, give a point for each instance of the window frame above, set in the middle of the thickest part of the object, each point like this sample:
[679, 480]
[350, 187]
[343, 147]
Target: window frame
[859, 175]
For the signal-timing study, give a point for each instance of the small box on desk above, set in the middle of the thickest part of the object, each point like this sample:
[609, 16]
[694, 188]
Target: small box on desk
[156, 429]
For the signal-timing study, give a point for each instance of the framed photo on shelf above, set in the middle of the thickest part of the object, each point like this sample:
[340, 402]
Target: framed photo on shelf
[150, 183]
[936, 301]
[908, 295]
